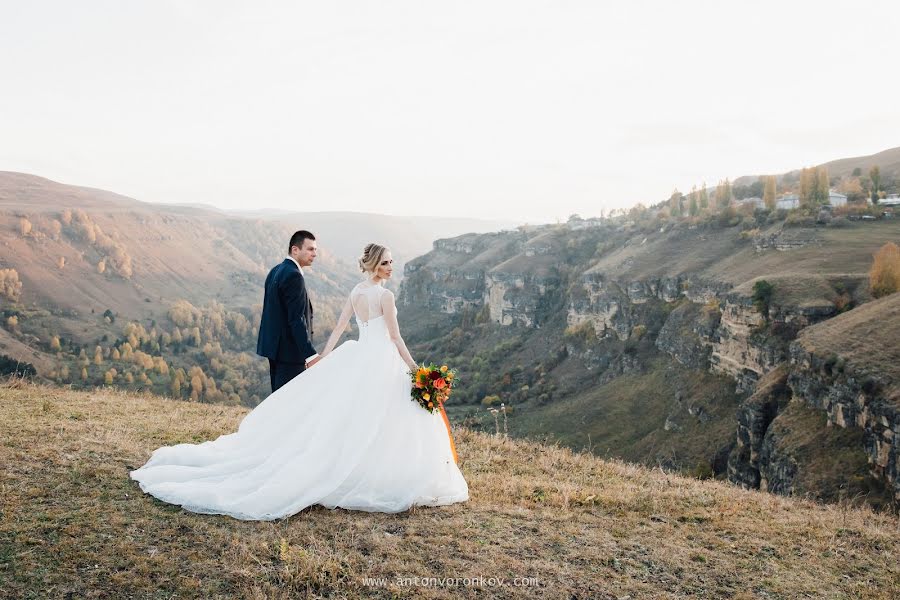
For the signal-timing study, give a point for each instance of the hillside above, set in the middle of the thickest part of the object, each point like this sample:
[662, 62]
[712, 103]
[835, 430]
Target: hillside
[888, 161]
[73, 524]
[640, 339]
[347, 232]
[180, 285]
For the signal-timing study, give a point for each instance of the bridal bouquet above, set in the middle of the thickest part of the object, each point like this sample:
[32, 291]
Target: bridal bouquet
[432, 386]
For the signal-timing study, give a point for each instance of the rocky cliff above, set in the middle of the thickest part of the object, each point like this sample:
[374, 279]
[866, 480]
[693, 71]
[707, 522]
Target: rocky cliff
[612, 299]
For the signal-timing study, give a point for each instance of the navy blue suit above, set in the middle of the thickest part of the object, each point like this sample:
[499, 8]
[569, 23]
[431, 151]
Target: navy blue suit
[285, 331]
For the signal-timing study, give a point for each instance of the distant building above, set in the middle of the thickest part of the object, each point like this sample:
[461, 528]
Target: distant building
[575, 224]
[836, 199]
[788, 201]
[890, 200]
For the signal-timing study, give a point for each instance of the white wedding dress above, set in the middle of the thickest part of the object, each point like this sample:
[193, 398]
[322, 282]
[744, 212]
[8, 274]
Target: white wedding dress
[343, 433]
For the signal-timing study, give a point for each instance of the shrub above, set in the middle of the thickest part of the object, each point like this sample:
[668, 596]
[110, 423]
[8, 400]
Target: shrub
[884, 276]
[15, 368]
[762, 296]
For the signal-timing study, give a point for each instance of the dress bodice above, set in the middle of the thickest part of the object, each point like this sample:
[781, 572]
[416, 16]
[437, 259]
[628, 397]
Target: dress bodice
[366, 301]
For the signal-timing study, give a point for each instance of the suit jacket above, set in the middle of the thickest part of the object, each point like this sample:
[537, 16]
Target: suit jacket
[286, 328]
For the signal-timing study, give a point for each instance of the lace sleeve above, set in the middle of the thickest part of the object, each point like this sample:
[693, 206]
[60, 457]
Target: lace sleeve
[390, 319]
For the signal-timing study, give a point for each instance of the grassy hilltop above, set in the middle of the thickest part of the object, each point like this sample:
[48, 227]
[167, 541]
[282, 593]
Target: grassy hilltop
[72, 524]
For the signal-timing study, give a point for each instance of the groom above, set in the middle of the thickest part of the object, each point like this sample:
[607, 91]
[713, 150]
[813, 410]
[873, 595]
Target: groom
[285, 332]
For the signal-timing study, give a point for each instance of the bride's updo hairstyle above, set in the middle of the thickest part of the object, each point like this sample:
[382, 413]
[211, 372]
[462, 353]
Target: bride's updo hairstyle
[370, 258]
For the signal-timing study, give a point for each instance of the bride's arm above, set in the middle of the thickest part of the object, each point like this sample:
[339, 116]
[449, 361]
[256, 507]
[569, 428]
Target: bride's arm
[339, 328]
[390, 319]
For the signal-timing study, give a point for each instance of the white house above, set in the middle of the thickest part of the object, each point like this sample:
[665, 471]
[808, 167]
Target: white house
[836, 199]
[890, 200]
[788, 201]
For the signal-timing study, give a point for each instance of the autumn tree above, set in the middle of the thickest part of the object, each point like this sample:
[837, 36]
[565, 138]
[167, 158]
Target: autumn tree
[723, 193]
[852, 188]
[884, 276]
[84, 227]
[704, 197]
[807, 187]
[54, 344]
[675, 203]
[10, 286]
[160, 365]
[822, 186]
[196, 388]
[875, 177]
[770, 192]
[25, 226]
[183, 313]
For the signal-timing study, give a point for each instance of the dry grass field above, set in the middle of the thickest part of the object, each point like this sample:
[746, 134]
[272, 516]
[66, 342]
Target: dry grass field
[74, 525]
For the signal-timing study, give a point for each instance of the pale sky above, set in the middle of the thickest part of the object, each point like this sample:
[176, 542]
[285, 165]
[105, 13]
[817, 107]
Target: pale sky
[494, 109]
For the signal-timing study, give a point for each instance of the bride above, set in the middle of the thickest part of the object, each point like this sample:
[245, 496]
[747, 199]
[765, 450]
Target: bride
[343, 433]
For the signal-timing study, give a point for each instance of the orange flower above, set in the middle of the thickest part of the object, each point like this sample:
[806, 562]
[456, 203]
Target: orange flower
[440, 383]
[430, 405]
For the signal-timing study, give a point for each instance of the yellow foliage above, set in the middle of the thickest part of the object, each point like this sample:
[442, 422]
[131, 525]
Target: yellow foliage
[10, 286]
[884, 276]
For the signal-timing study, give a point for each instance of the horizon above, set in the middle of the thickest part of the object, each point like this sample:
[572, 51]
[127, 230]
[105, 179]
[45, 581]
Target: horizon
[531, 109]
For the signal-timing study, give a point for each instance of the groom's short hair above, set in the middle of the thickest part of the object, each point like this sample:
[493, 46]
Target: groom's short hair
[298, 237]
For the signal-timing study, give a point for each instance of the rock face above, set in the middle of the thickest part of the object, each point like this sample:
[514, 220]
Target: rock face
[514, 298]
[851, 399]
[524, 278]
[753, 420]
[688, 333]
[444, 290]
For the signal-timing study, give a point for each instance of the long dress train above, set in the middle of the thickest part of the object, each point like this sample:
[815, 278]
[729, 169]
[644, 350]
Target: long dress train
[344, 433]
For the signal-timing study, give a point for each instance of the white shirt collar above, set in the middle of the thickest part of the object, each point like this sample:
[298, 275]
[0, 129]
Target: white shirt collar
[296, 263]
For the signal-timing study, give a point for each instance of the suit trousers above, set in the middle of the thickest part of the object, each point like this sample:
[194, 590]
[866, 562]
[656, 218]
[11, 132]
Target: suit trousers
[282, 372]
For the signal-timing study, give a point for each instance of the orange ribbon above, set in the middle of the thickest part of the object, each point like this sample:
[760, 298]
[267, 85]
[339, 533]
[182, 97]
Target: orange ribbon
[449, 435]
